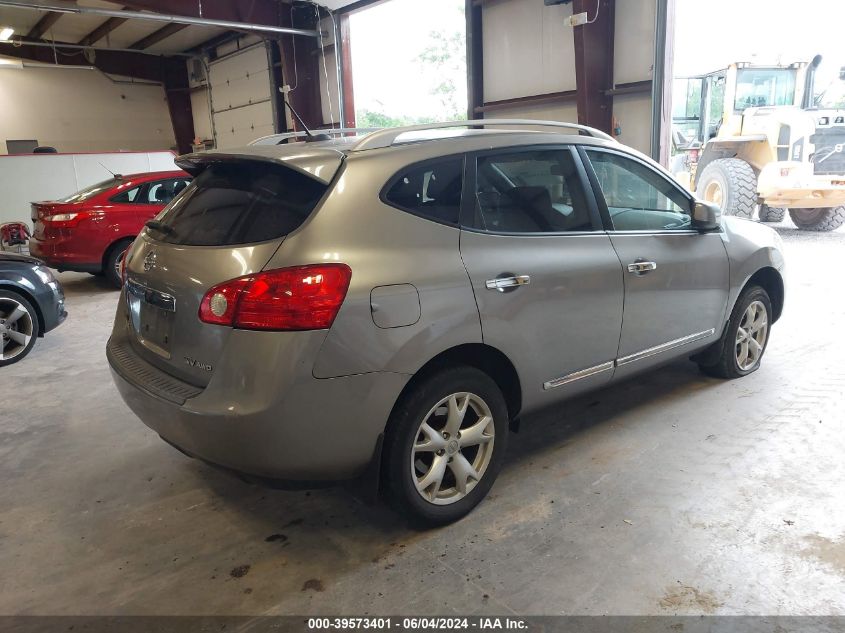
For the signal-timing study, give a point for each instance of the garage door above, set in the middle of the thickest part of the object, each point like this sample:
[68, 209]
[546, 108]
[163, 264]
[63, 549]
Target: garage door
[241, 102]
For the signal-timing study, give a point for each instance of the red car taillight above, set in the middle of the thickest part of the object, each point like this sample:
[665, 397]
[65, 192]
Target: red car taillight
[298, 298]
[65, 220]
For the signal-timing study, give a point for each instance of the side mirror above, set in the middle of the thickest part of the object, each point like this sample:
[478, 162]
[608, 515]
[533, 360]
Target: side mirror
[706, 216]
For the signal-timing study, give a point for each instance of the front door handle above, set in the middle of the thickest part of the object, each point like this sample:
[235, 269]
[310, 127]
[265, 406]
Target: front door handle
[502, 283]
[640, 268]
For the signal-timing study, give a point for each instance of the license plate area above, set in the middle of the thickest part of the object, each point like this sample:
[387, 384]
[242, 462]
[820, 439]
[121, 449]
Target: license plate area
[152, 314]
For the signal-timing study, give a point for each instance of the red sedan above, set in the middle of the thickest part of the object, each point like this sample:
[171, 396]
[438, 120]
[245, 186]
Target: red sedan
[91, 230]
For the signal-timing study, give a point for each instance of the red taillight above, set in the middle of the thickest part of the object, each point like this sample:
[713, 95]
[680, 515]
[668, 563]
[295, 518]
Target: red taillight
[299, 298]
[65, 220]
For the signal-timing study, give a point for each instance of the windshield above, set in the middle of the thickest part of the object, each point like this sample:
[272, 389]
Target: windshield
[93, 190]
[759, 87]
[834, 96]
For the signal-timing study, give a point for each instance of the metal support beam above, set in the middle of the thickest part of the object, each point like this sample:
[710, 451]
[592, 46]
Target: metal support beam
[475, 60]
[661, 90]
[101, 31]
[43, 25]
[157, 36]
[347, 92]
[158, 17]
[301, 69]
[594, 63]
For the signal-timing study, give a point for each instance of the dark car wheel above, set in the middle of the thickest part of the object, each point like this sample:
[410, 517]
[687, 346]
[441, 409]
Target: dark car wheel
[18, 327]
[746, 336]
[113, 261]
[444, 445]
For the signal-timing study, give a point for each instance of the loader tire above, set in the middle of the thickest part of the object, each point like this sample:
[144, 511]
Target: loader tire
[730, 183]
[819, 219]
[771, 214]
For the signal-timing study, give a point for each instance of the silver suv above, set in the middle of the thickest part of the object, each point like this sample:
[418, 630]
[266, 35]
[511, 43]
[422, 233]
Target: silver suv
[385, 305]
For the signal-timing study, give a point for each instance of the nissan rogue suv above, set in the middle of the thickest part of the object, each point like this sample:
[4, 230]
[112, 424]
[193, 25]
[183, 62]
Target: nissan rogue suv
[385, 305]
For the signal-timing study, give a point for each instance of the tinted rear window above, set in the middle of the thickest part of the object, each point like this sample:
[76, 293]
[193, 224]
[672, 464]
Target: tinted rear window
[239, 203]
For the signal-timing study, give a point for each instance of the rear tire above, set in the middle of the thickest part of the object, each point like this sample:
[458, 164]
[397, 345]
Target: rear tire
[819, 219]
[743, 351]
[730, 183]
[428, 439]
[111, 266]
[771, 214]
[19, 327]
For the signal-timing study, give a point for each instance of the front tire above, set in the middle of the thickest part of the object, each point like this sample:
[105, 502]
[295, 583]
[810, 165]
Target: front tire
[731, 184]
[820, 219]
[771, 214]
[746, 336]
[444, 446]
[19, 327]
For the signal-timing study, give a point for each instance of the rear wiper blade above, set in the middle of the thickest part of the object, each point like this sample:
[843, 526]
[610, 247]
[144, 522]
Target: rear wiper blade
[161, 226]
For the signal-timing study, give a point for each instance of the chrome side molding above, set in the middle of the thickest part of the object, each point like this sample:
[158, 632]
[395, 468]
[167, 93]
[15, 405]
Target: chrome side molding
[609, 365]
[578, 375]
[664, 347]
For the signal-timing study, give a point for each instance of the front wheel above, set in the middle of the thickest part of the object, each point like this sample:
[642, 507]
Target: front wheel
[18, 327]
[731, 184]
[444, 445]
[746, 336]
[820, 219]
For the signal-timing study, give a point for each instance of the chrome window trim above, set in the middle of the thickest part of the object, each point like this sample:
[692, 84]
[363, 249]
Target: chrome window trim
[578, 375]
[664, 347]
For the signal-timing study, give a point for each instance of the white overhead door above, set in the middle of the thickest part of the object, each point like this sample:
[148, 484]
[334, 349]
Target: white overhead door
[241, 99]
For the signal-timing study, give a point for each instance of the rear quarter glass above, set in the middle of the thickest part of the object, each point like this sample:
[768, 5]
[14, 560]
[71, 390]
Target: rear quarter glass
[240, 202]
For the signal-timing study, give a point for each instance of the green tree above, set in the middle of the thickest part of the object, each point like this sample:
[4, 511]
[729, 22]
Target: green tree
[446, 53]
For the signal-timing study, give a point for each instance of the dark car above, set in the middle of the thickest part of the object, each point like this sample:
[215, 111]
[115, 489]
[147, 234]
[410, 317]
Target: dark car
[31, 304]
[90, 230]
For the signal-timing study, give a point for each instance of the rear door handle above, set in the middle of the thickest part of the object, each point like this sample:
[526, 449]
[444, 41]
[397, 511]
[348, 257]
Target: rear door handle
[501, 283]
[640, 268]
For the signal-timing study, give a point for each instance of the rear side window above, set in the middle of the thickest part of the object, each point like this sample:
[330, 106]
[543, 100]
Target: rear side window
[432, 190]
[530, 192]
[239, 203]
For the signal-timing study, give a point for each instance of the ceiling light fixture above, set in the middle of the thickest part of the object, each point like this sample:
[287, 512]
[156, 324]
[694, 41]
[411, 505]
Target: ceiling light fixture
[6, 33]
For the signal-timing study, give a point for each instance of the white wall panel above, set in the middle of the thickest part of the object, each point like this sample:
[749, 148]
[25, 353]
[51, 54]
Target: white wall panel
[82, 111]
[633, 55]
[528, 50]
[634, 115]
[563, 112]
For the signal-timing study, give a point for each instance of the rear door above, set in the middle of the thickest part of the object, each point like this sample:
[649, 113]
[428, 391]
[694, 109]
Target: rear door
[228, 224]
[676, 278]
[545, 276]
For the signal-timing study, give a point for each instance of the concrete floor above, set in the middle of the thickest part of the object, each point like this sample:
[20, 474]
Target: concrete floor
[669, 494]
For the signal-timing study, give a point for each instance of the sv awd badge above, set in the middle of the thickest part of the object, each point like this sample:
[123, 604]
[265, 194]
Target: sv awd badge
[193, 362]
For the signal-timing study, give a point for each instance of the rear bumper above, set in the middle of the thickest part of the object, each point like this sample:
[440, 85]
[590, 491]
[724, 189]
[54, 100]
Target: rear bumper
[308, 430]
[794, 185]
[57, 254]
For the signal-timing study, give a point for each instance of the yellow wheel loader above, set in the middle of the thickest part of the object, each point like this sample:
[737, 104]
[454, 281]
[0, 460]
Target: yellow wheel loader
[768, 144]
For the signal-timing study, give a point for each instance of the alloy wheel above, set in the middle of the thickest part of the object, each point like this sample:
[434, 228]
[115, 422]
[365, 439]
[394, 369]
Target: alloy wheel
[751, 335]
[452, 448]
[16, 328]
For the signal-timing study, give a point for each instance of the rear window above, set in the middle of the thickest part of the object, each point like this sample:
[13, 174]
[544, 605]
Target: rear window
[239, 203]
[93, 190]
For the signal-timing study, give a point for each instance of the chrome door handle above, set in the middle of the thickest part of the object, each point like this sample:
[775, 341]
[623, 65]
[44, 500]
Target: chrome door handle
[500, 283]
[640, 268]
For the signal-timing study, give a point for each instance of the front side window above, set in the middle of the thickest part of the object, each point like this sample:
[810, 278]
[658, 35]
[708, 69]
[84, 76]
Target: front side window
[530, 192]
[638, 198]
[432, 190]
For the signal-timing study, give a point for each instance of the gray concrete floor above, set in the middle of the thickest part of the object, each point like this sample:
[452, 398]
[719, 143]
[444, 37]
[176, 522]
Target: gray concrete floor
[669, 494]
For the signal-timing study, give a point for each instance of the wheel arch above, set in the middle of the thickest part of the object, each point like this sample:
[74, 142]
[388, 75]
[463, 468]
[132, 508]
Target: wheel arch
[483, 357]
[12, 287]
[114, 243]
[771, 281]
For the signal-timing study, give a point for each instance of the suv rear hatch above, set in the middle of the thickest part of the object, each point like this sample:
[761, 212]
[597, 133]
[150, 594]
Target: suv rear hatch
[227, 224]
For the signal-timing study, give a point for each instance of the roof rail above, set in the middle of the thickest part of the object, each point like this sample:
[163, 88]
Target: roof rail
[387, 137]
[275, 139]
